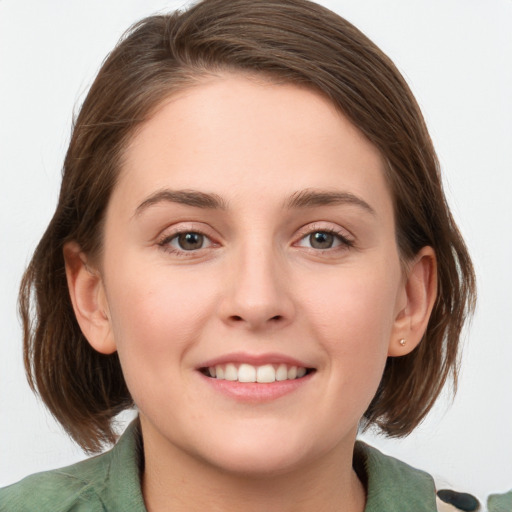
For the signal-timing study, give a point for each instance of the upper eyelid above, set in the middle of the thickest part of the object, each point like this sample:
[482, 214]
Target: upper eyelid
[164, 243]
[172, 236]
[322, 226]
[167, 239]
[185, 227]
[346, 239]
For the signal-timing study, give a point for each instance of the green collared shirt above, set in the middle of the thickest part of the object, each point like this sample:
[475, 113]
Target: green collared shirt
[500, 502]
[111, 483]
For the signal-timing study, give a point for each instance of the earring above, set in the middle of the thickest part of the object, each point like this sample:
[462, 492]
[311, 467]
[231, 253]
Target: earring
[402, 342]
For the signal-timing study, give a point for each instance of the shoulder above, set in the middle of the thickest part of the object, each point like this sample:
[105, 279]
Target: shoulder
[396, 486]
[392, 484]
[500, 502]
[67, 489]
[107, 482]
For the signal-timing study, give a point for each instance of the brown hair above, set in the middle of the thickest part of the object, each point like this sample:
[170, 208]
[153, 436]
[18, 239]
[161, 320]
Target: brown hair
[290, 41]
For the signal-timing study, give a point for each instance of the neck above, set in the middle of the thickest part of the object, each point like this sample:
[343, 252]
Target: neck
[179, 481]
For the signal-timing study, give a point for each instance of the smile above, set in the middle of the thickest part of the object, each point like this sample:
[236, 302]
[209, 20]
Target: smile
[264, 374]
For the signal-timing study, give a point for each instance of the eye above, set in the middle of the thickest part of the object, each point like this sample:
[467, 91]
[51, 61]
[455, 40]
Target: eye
[323, 240]
[186, 241]
[190, 241]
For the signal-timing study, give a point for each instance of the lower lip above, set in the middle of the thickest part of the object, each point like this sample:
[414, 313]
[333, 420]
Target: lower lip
[254, 392]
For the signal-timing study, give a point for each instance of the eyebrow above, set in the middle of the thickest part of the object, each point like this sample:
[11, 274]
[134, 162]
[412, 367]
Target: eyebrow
[310, 198]
[187, 197]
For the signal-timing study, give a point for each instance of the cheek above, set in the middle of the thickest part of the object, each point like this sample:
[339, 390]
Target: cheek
[156, 317]
[354, 306]
[352, 318]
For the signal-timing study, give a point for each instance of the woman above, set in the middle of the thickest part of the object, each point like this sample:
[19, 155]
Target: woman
[251, 245]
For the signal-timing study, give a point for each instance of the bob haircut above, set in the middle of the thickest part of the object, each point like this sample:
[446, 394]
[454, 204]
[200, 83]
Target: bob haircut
[282, 41]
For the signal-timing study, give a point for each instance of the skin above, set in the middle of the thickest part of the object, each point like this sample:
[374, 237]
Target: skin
[256, 286]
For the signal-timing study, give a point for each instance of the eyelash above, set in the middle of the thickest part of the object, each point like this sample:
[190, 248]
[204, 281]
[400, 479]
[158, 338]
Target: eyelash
[345, 243]
[164, 243]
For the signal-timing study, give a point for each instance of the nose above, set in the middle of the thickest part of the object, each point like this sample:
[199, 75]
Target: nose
[257, 293]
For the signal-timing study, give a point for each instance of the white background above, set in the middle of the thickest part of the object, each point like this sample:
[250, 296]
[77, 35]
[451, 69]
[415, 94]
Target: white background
[456, 56]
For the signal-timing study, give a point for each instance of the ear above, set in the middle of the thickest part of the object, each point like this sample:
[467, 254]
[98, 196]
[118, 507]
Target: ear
[89, 301]
[420, 291]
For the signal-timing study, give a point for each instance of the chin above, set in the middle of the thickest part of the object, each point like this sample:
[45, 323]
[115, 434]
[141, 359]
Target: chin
[260, 454]
[258, 463]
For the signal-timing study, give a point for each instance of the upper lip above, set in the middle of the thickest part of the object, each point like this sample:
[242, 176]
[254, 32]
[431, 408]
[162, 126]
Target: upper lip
[254, 360]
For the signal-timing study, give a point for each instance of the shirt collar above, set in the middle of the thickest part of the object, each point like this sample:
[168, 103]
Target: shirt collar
[390, 483]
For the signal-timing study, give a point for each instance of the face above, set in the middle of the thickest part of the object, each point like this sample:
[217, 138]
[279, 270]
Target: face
[251, 237]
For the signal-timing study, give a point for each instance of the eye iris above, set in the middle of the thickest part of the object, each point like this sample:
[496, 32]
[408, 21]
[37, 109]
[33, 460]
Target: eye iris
[321, 240]
[190, 241]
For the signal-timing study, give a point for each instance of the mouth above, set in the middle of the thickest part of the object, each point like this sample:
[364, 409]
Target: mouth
[263, 374]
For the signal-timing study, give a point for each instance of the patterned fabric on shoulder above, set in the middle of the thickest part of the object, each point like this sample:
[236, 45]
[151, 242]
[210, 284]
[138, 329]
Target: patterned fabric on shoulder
[449, 500]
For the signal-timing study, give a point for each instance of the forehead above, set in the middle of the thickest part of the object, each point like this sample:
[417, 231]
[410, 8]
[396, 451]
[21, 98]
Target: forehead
[236, 136]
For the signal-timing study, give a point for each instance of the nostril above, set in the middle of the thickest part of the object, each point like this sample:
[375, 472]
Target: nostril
[256, 320]
[238, 318]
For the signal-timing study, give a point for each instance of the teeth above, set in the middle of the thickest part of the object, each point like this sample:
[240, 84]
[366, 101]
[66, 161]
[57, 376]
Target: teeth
[282, 372]
[266, 373]
[231, 372]
[246, 373]
[292, 372]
